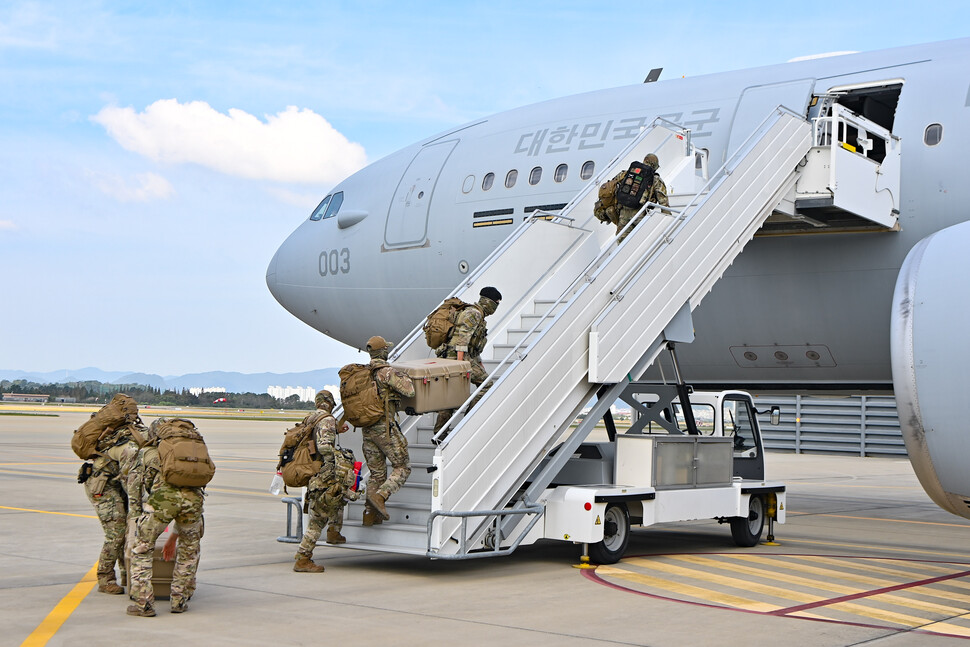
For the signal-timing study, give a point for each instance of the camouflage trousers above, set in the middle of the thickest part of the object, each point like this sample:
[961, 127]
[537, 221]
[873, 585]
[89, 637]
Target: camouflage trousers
[479, 375]
[324, 506]
[110, 505]
[626, 215]
[184, 507]
[380, 447]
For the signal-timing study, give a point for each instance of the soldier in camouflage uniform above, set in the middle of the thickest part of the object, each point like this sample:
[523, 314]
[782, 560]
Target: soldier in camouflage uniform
[384, 442]
[324, 494]
[103, 479]
[466, 342]
[157, 503]
[656, 193]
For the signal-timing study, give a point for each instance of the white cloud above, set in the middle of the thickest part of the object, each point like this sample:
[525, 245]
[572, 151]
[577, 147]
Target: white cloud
[303, 200]
[292, 146]
[7, 225]
[146, 187]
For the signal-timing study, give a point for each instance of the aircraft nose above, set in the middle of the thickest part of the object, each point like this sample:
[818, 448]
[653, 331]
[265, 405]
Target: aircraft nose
[271, 281]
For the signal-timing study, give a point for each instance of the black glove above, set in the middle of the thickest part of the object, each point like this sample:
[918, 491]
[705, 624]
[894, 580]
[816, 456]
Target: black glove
[85, 472]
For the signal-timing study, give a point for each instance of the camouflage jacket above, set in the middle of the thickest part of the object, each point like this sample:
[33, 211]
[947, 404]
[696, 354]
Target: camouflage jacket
[470, 333]
[392, 383]
[325, 438]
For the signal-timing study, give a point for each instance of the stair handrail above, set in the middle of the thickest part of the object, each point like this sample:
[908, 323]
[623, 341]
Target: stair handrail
[588, 275]
[690, 209]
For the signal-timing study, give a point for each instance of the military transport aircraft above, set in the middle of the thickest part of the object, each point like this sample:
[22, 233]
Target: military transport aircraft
[822, 298]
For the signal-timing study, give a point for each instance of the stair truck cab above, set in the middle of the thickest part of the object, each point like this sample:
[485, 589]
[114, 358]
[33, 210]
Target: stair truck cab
[665, 468]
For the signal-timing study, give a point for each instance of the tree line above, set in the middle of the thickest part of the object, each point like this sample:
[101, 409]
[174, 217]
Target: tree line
[94, 392]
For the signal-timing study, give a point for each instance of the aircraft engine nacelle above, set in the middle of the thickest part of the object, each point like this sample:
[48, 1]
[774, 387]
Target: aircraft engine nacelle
[930, 335]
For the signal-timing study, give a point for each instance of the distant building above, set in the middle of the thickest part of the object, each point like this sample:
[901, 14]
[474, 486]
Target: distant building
[65, 399]
[282, 392]
[25, 397]
[199, 390]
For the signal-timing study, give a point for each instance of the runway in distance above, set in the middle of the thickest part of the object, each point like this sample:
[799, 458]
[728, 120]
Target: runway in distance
[821, 299]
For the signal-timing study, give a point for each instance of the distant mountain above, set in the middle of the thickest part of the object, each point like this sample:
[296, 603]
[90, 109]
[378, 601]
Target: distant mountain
[63, 376]
[232, 382]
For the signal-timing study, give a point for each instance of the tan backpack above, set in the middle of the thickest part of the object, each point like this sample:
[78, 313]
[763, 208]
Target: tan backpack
[440, 322]
[183, 454]
[298, 453]
[359, 395]
[120, 411]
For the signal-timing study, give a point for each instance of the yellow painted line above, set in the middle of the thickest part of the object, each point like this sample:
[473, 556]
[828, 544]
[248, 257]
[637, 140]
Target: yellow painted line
[65, 514]
[818, 570]
[840, 485]
[912, 572]
[53, 476]
[48, 463]
[849, 607]
[918, 523]
[686, 589]
[946, 627]
[49, 625]
[733, 582]
[962, 556]
[890, 598]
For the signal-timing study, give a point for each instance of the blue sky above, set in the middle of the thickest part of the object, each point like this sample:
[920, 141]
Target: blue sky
[154, 155]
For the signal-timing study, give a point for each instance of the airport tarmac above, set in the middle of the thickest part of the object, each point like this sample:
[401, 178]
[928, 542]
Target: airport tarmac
[865, 559]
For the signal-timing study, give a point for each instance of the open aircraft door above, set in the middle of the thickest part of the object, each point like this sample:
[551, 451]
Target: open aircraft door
[759, 100]
[407, 218]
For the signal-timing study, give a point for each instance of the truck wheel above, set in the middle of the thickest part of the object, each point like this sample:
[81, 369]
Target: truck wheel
[616, 535]
[747, 530]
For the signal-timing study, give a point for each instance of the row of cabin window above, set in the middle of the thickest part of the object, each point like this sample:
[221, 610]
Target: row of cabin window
[535, 175]
[328, 208]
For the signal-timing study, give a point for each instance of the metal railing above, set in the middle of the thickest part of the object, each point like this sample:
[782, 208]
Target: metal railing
[495, 535]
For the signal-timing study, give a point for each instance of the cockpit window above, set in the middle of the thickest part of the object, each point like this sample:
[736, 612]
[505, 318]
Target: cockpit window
[335, 202]
[321, 209]
[587, 171]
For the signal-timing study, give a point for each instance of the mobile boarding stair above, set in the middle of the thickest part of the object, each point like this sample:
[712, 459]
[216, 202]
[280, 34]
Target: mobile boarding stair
[581, 317]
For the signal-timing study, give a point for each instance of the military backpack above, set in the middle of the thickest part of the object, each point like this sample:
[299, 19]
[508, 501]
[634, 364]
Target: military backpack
[441, 321]
[359, 395]
[298, 453]
[183, 455]
[120, 411]
[637, 179]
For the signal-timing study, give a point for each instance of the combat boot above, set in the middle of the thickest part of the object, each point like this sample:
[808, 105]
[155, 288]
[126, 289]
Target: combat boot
[377, 502]
[371, 518]
[138, 610]
[334, 536]
[110, 588]
[180, 605]
[305, 565]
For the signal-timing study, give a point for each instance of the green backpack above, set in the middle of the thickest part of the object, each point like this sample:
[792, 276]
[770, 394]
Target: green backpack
[298, 453]
[359, 395]
[441, 321]
[120, 411]
[183, 454]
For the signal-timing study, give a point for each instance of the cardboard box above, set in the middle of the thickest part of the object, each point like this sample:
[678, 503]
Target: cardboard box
[439, 384]
[161, 575]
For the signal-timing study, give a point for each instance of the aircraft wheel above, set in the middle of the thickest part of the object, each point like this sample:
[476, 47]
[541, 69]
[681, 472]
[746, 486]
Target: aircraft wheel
[616, 535]
[747, 530]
